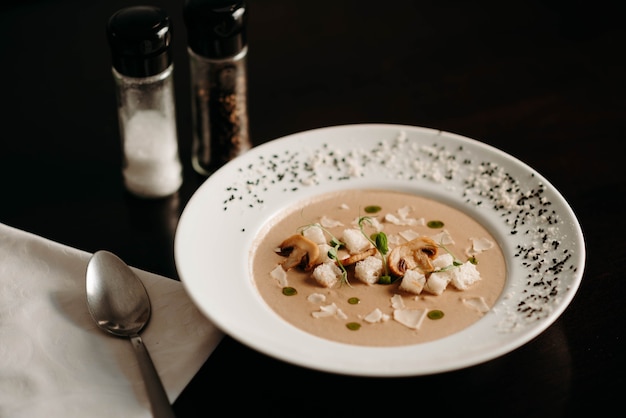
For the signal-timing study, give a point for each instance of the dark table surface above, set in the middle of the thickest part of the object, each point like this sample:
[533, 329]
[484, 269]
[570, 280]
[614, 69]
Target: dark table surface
[543, 80]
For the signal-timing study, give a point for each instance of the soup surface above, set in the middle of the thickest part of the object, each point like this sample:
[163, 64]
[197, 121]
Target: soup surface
[378, 314]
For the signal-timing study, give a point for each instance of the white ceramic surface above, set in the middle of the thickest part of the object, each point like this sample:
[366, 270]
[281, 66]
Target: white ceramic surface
[536, 228]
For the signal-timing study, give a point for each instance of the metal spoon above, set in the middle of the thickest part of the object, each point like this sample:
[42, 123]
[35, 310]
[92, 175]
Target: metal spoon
[119, 303]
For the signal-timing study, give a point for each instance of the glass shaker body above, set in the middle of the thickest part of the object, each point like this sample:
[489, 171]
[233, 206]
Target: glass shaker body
[146, 112]
[219, 106]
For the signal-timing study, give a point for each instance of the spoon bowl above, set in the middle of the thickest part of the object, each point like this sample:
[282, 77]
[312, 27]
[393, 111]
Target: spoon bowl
[119, 304]
[116, 298]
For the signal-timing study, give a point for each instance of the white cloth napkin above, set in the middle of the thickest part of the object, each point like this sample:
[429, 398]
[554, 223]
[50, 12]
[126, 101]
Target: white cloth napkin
[54, 360]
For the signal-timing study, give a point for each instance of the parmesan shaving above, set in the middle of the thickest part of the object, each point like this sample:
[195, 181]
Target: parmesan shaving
[443, 238]
[376, 316]
[411, 318]
[328, 311]
[316, 298]
[477, 303]
[409, 234]
[397, 302]
[280, 276]
[478, 246]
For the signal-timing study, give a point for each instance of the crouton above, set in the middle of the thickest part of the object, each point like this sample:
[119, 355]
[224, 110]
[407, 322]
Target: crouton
[369, 269]
[413, 282]
[464, 276]
[327, 274]
[355, 241]
[437, 282]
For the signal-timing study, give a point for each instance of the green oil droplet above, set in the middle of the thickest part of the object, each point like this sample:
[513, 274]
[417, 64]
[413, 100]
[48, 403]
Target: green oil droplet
[353, 326]
[289, 291]
[354, 301]
[435, 224]
[372, 209]
[435, 314]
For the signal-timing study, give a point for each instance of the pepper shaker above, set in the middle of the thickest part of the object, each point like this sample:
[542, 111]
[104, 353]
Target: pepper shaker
[217, 49]
[139, 38]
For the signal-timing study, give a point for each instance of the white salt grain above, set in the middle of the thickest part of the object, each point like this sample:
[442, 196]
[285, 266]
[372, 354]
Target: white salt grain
[152, 167]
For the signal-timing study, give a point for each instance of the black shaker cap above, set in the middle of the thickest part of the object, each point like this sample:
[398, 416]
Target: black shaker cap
[216, 28]
[139, 38]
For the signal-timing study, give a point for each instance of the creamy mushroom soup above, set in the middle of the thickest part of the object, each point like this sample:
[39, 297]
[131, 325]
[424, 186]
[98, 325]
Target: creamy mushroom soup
[389, 269]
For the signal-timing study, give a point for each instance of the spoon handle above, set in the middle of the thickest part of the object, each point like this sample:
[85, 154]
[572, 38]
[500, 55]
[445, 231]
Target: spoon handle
[159, 402]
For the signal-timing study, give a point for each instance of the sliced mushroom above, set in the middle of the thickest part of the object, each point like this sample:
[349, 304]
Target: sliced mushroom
[300, 252]
[416, 253]
[354, 258]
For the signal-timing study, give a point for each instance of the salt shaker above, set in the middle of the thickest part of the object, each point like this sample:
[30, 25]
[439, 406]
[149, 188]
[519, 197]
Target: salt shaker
[217, 49]
[139, 38]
